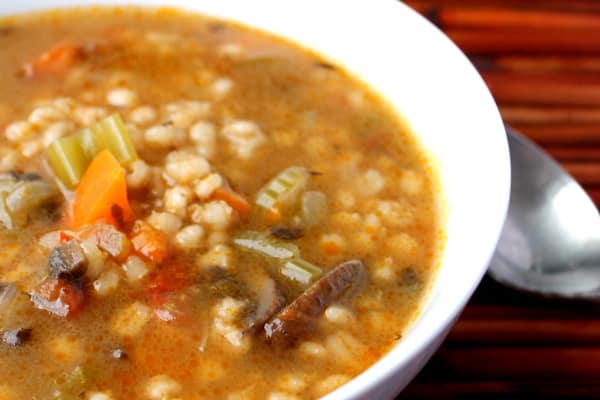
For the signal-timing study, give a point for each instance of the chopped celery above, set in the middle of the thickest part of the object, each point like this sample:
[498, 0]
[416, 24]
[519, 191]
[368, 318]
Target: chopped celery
[67, 159]
[283, 189]
[300, 270]
[88, 143]
[268, 246]
[314, 208]
[69, 156]
[111, 134]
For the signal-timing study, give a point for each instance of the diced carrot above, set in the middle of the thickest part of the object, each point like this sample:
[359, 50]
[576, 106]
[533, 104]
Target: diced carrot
[149, 242]
[273, 215]
[54, 61]
[64, 236]
[102, 189]
[330, 248]
[235, 200]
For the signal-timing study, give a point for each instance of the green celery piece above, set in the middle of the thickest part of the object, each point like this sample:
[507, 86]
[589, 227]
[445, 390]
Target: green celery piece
[300, 270]
[111, 134]
[283, 188]
[259, 243]
[70, 156]
[88, 143]
[67, 159]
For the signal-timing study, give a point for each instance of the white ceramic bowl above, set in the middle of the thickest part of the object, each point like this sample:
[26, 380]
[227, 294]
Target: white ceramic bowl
[435, 88]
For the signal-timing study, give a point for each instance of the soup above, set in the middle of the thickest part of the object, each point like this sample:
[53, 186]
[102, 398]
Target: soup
[194, 209]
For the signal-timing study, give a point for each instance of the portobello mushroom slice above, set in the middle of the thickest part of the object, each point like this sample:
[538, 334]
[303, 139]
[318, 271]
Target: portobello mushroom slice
[301, 316]
[286, 233]
[22, 196]
[270, 300]
[17, 337]
[67, 261]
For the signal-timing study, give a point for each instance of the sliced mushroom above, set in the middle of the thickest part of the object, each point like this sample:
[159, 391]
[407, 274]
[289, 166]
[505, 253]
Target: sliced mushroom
[24, 195]
[119, 354]
[301, 316]
[270, 300]
[287, 233]
[16, 337]
[67, 261]
[59, 297]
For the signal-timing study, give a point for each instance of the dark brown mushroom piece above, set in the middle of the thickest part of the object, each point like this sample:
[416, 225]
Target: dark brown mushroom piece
[17, 337]
[301, 316]
[409, 280]
[286, 233]
[67, 261]
[119, 354]
[269, 301]
[60, 297]
[26, 196]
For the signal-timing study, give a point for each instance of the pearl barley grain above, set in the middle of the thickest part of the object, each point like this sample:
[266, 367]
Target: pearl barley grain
[121, 98]
[190, 237]
[19, 130]
[143, 115]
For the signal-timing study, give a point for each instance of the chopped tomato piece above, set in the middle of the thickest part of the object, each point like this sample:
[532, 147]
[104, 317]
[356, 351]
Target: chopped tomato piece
[59, 297]
[149, 242]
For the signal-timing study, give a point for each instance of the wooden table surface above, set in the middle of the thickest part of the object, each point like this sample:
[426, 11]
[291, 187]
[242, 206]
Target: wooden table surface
[541, 60]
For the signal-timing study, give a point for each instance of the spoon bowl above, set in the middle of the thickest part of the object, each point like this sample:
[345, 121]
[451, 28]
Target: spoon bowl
[550, 243]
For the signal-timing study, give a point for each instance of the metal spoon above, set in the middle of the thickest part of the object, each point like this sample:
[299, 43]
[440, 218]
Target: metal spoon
[550, 243]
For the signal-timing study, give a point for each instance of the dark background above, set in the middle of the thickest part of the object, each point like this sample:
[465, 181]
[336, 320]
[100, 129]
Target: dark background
[541, 60]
